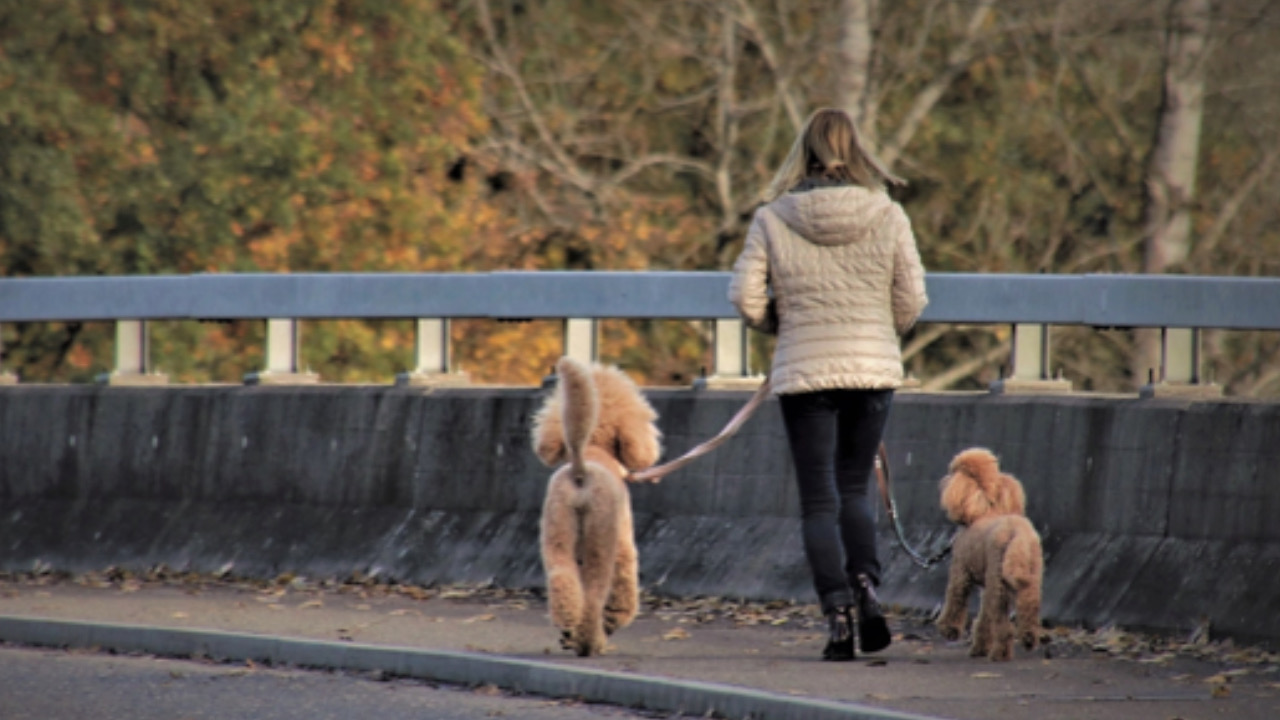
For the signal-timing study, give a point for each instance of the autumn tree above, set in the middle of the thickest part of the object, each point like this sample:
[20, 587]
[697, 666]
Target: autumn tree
[183, 136]
[629, 135]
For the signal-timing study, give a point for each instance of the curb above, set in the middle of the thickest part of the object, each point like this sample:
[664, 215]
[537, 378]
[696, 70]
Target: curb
[697, 699]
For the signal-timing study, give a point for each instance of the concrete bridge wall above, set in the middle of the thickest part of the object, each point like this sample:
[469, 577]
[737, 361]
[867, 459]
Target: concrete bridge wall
[1155, 513]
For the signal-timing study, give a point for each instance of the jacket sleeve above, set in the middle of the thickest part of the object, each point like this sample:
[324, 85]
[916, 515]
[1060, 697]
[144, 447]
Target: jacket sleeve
[749, 287]
[908, 296]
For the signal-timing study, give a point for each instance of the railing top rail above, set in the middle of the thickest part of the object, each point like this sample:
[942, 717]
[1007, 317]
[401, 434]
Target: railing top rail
[1095, 300]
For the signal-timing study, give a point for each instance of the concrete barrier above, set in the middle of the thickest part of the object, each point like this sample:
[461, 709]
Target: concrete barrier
[1157, 514]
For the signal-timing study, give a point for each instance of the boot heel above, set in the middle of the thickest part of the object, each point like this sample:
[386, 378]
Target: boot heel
[873, 630]
[840, 636]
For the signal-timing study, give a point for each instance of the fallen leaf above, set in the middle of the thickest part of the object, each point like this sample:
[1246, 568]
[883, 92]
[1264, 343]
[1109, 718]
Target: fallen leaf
[311, 604]
[1221, 691]
[985, 675]
[487, 617]
[180, 615]
[678, 633]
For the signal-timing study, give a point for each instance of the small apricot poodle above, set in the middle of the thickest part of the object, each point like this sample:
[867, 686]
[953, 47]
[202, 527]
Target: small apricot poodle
[600, 426]
[996, 549]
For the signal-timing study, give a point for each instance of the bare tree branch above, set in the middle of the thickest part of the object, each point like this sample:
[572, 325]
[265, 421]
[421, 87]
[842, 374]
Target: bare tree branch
[639, 164]
[1231, 208]
[563, 166]
[960, 57]
[924, 338]
[959, 372]
[781, 77]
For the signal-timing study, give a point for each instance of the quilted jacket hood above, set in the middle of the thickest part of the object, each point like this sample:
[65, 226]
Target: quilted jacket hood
[832, 215]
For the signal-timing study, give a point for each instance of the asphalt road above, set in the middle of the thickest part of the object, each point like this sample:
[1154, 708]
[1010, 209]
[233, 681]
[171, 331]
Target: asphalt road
[55, 685]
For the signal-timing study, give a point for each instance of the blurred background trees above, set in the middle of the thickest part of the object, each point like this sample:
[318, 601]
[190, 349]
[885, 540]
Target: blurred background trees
[1057, 136]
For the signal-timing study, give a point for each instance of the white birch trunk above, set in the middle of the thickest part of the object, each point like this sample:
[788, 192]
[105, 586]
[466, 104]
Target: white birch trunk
[852, 82]
[1171, 172]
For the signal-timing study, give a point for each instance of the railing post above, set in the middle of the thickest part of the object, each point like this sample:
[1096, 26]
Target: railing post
[1029, 364]
[133, 356]
[282, 356]
[580, 339]
[432, 357]
[730, 358]
[6, 377]
[1179, 367]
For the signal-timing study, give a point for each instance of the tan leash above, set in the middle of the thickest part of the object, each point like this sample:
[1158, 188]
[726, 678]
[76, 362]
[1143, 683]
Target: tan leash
[656, 473]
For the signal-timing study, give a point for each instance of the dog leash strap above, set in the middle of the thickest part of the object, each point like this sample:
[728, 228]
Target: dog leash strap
[654, 474]
[891, 509]
[657, 472]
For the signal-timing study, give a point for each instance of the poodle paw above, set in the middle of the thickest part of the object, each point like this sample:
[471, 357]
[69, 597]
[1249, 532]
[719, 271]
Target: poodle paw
[612, 620]
[949, 632]
[1001, 649]
[1030, 640]
[566, 640]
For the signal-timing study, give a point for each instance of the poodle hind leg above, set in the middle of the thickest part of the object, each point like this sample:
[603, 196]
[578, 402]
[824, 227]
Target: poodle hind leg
[597, 553]
[980, 644]
[999, 627]
[560, 565]
[624, 595]
[1027, 610]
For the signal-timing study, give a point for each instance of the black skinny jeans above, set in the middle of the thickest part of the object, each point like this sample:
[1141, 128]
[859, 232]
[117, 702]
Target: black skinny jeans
[834, 435]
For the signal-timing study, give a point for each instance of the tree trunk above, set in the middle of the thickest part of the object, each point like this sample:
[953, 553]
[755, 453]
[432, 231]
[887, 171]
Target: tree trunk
[1171, 172]
[852, 84]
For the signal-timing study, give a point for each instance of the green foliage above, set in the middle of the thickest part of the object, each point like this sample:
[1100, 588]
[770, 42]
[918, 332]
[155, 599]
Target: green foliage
[181, 136]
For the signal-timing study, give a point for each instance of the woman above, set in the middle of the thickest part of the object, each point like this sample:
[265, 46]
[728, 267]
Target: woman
[830, 265]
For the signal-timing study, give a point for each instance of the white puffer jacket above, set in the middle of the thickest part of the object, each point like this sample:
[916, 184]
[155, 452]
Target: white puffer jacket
[846, 283]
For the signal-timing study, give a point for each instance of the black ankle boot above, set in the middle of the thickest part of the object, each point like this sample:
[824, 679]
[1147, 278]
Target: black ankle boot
[839, 635]
[873, 631]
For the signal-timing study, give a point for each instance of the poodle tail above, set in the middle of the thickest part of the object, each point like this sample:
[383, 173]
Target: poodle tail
[581, 408]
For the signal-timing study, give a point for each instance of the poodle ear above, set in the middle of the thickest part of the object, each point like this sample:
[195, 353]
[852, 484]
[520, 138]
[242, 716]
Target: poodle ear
[1013, 499]
[639, 445]
[548, 434]
[629, 418]
[961, 498]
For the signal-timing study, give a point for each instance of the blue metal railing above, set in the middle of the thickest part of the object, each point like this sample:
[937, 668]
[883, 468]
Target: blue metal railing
[1030, 302]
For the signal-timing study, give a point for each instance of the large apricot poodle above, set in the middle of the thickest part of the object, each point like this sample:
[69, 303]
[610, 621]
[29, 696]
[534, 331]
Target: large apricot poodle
[996, 549]
[599, 425]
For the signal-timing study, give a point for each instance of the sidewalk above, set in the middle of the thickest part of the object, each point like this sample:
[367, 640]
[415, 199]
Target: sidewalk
[741, 658]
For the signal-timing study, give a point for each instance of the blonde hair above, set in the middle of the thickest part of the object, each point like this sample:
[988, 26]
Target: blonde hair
[829, 147]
